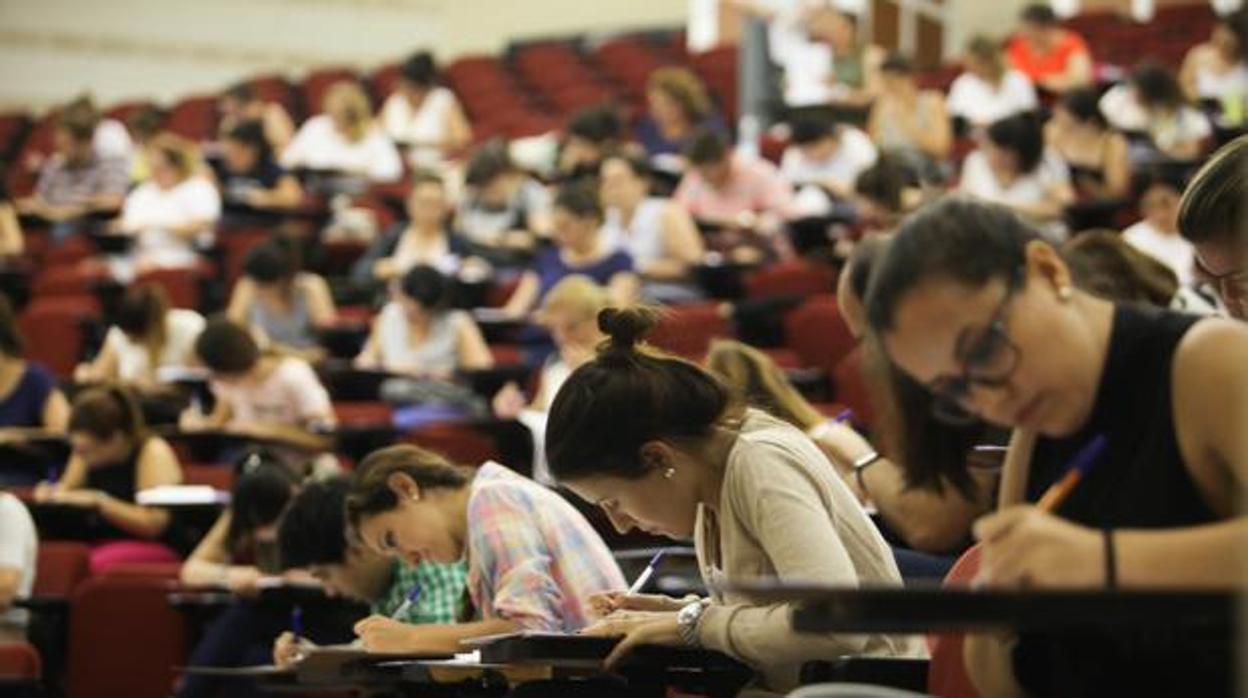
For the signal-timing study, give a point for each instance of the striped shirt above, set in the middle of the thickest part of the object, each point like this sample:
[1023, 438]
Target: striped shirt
[441, 592]
[532, 558]
[63, 184]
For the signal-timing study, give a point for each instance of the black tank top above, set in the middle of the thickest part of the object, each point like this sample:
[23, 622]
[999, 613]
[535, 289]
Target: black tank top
[1140, 481]
[117, 480]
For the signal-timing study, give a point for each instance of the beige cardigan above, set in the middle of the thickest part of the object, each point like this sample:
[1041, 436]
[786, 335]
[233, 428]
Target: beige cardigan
[785, 513]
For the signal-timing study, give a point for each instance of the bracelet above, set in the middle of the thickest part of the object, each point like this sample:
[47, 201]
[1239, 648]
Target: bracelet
[862, 464]
[1111, 563]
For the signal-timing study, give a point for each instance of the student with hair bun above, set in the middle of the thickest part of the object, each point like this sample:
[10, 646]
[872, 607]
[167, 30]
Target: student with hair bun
[657, 443]
[113, 458]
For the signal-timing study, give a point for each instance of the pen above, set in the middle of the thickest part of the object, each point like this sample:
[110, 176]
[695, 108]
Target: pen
[647, 573]
[1080, 465]
[844, 416]
[296, 622]
[413, 596]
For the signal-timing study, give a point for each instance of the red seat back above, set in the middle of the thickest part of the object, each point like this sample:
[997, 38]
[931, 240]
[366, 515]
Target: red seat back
[184, 285]
[125, 638]
[852, 389]
[217, 476]
[816, 331]
[53, 328]
[19, 661]
[687, 330]
[458, 442]
[61, 567]
[946, 675]
[796, 278]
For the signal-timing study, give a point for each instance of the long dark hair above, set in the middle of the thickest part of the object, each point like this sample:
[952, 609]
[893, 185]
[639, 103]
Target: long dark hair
[263, 488]
[106, 410]
[972, 243]
[626, 397]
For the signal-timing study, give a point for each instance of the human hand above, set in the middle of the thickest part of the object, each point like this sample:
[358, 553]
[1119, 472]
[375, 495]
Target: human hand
[509, 401]
[1027, 546]
[606, 603]
[382, 634]
[635, 628]
[288, 649]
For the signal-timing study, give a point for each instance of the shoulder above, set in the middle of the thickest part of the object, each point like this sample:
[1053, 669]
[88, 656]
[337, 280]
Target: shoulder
[38, 376]
[156, 450]
[1212, 352]
[310, 282]
[292, 369]
[182, 320]
[14, 513]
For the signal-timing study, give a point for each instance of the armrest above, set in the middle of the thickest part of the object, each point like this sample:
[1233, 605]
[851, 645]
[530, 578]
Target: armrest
[897, 672]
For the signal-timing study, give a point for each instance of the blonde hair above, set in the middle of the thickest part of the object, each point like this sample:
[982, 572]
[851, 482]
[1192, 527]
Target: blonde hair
[350, 97]
[753, 379]
[180, 152]
[578, 295]
[685, 89]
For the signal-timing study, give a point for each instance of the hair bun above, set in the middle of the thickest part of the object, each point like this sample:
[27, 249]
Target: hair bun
[626, 326]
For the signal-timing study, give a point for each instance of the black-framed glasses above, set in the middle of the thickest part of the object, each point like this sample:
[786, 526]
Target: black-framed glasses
[988, 360]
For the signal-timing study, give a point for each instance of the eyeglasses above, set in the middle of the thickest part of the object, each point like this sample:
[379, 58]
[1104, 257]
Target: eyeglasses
[1231, 285]
[989, 360]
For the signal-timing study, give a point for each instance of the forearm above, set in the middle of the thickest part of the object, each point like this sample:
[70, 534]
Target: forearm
[288, 434]
[666, 270]
[205, 573]
[1211, 556]
[447, 637]
[143, 522]
[929, 521]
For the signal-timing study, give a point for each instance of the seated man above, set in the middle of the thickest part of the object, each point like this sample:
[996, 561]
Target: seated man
[746, 198]
[18, 550]
[78, 181]
[312, 536]
[1055, 59]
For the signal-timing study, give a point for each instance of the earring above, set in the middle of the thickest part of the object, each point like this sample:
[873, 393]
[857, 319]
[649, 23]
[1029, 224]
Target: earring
[667, 474]
[1064, 293]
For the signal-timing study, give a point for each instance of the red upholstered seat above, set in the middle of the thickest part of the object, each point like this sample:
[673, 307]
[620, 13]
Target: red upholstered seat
[946, 675]
[687, 330]
[125, 638]
[53, 328]
[60, 568]
[19, 664]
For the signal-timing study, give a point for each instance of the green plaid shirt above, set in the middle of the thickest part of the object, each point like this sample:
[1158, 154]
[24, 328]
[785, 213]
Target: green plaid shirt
[441, 592]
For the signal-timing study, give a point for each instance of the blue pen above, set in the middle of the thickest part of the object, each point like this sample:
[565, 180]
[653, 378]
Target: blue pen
[413, 596]
[296, 622]
[647, 573]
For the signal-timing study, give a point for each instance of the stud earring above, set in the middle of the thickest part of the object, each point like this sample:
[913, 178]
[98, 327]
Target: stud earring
[1064, 293]
[669, 473]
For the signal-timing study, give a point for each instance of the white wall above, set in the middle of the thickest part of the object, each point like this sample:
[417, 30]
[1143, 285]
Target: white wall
[51, 50]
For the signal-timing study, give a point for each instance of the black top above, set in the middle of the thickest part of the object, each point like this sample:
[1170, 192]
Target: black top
[117, 480]
[235, 186]
[1140, 481]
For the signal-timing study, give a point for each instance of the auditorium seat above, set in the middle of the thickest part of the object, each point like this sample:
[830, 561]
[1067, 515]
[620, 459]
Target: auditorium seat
[55, 330]
[60, 567]
[194, 117]
[794, 278]
[852, 390]
[219, 476]
[947, 675]
[110, 654]
[314, 86]
[460, 443]
[687, 330]
[21, 669]
[184, 285]
[817, 332]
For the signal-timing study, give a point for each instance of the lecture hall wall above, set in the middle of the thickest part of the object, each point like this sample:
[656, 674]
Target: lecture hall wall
[166, 49]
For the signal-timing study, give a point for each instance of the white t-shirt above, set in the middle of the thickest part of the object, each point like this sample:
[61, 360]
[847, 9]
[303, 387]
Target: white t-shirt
[981, 103]
[854, 154]
[422, 126]
[152, 212]
[319, 146]
[291, 395]
[182, 328]
[112, 140]
[1169, 248]
[19, 547]
[1032, 188]
[1124, 113]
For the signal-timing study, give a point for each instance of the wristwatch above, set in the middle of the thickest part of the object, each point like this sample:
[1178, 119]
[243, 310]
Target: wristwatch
[862, 464]
[687, 622]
